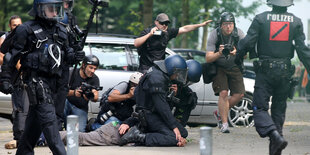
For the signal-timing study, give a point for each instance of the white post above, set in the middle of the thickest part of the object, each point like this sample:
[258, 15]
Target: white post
[72, 135]
[205, 141]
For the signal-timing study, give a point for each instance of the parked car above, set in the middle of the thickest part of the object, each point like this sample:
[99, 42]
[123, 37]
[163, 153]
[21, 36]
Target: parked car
[239, 115]
[119, 59]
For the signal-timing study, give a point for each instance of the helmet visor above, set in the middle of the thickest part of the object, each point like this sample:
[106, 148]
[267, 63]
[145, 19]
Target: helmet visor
[52, 11]
[68, 4]
[179, 75]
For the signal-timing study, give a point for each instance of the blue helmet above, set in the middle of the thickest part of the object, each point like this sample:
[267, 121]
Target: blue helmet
[51, 10]
[194, 71]
[176, 65]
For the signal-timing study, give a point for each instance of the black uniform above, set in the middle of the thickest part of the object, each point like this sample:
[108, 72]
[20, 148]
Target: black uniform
[154, 47]
[20, 103]
[188, 101]
[36, 42]
[64, 79]
[274, 33]
[151, 96]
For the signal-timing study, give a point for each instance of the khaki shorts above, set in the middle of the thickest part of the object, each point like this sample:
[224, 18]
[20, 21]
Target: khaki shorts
[228, 80]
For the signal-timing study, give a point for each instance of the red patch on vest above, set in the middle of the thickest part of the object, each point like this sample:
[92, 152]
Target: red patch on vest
[279, 31]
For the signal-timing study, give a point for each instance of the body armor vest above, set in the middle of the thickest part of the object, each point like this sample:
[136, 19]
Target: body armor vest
[46, 54]
[276, 34]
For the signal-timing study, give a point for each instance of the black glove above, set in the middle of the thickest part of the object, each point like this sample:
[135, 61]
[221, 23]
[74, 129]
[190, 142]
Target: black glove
[79, 56]
[6, 87]
[239, 58]
[238, 61]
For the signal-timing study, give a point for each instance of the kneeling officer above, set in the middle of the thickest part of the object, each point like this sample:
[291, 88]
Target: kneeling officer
[161, 127]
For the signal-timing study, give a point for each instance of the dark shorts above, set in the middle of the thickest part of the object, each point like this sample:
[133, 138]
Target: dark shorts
[228, 80]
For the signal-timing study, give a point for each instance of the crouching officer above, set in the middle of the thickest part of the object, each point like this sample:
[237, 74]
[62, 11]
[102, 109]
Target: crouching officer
[274, 32]
[41, 47]
[187, 98]
[161, 129]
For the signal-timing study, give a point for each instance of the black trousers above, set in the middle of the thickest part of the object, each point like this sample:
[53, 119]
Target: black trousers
[61, 95]
[266, 85]
[159, 134]
[20, 110]
[41, 118]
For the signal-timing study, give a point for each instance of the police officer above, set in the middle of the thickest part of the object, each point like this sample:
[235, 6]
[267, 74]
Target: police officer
[69, 21]
[42, 50]
[161, 128]
[187, 98]
[273, 32]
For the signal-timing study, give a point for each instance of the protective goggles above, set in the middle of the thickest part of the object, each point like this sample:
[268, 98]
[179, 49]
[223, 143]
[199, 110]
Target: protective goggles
[53, 11]
[179, 75]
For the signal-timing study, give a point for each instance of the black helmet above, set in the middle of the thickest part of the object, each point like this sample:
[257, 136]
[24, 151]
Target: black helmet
[194, 71]
[227, 17]
[41, 8]
[91, 60]
[281, 3]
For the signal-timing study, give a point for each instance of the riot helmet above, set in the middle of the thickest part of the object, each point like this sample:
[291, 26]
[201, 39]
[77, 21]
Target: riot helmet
[91, 60]
[135, 77]
[280, 3]
[68, 5]
[51, 10]
[194, 71]
[227, 17]
[176, 68]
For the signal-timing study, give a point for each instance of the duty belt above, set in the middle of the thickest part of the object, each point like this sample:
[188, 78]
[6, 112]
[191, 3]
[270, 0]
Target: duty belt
[272, 64]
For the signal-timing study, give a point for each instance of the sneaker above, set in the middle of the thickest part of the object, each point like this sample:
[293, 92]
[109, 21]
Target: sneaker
[224, 128]
[11, 144]
[218, 119]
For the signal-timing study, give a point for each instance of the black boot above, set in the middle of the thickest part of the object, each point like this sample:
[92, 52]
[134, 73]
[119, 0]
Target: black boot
[277, 143]
[134, 135]
[88, 127]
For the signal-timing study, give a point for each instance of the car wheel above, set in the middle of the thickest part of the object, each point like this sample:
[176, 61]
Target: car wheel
[242, 113]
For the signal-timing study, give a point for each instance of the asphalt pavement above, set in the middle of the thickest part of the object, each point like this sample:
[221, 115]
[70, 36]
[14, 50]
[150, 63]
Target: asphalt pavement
[240, 141]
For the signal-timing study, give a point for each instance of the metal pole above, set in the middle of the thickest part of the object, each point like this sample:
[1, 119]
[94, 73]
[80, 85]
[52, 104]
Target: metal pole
[72, 135]
[205, 141]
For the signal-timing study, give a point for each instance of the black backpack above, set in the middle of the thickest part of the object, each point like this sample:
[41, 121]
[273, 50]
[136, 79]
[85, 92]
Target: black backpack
[7, 44]
[105, 95]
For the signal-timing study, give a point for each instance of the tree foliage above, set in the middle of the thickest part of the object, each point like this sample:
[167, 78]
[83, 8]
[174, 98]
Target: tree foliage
[130, 16]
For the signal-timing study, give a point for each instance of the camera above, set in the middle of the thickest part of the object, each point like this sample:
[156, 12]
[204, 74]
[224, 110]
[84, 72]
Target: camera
[158, 33]
[171, 97]
[105, 117]
[87, 90]
[227, 49]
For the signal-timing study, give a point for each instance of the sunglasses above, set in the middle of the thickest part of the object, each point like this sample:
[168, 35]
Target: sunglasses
[164, 23]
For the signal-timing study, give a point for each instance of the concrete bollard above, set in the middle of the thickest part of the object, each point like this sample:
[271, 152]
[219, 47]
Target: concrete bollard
[72, 135]
[205, 141]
